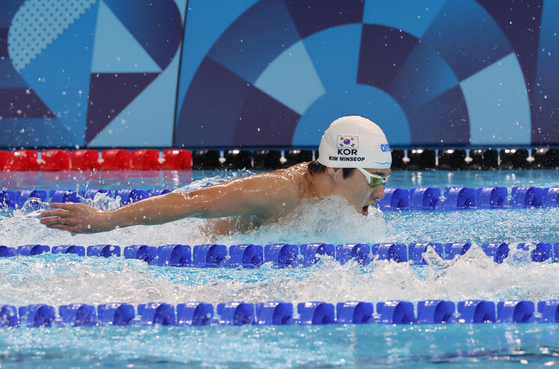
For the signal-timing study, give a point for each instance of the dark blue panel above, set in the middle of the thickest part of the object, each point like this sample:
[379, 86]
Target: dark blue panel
[311, 16]
[211, 107]
[22, 103]
[255, 39]
[545, 104]
[9, 77]
[383, 52]
[424, 75]
[32, 132]
[520, 22]
[157, 25]
[264, 121]
[467, 38]
[4, 43]
[9, 9]
[442, 121]
[109, 94]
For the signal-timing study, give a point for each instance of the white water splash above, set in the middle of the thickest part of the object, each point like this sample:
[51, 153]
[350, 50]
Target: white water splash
[62, 279]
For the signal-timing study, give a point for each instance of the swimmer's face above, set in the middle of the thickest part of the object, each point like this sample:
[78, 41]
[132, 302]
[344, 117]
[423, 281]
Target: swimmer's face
[356, 189]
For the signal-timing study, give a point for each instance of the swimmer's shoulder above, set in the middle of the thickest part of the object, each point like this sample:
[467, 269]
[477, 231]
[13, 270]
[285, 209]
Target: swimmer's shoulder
[288, 182]
[293, 175]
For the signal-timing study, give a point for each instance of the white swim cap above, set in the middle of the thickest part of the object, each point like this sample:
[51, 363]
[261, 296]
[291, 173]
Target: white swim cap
[354, 142]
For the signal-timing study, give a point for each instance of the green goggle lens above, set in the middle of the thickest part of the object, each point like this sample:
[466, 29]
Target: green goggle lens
[373, 179]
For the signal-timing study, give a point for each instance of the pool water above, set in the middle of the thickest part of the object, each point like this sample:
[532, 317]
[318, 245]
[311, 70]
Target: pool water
[64, 279]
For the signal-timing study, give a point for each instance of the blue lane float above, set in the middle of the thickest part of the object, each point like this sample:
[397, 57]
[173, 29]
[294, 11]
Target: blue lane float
[526, 197]
[69, 249]
[105, 251]
[416, 251]
[316, 313]
[115, 314]
[156, 313]
[312, 252]
[355, 312]
[235, 313]
[281, 313]
[29, 250]
[78, 315]
[550, 200]
[16, 199]
[6, 252]
[498, 251]
[9, 316]
[90, 194]
[247, 256]
[64, 196]
[360, 252]
[459, 198]
[396, 312]
[281, 256]
[131, 195]
[390, 251]
[274, 313]
[424, 198]
[174, 256]
[7, 199]
[476, 311]
[141, 252]
[395, 199]
[23, 196]
[549, 310]
[516, 312]
[209, 256]
[195, 314]
[435, 312]
[541, 251]
[455, 249]
[37, 315]
[491, 197]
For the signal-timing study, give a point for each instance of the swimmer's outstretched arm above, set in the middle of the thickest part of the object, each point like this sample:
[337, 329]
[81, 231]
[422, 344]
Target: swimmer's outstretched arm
[265, 194]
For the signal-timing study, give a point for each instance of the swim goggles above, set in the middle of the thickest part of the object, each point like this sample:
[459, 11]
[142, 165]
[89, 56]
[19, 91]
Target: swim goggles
[373, 179]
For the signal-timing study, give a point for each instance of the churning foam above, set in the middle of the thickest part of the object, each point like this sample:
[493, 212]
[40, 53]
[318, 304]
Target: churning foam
[62, 279]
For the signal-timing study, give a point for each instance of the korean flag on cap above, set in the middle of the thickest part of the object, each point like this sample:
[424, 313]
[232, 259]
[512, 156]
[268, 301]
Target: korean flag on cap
[348, 141]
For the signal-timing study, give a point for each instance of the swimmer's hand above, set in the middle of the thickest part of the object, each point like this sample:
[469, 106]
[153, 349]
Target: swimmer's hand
[76, 218]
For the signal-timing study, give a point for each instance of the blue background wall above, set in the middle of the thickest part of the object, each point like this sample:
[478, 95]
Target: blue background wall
[224, 73]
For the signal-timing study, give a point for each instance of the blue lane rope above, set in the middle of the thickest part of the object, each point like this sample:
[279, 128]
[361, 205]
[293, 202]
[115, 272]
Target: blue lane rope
[284, 255]
[396, 199]
[281, 313]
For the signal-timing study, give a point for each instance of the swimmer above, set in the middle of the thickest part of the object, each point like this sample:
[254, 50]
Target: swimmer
[354, 163]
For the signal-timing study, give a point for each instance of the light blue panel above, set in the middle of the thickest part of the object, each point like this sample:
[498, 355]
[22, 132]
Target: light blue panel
[335, 55]
[424, 76]
[205, 22]
[149, 119]
[181, 4]
[60, 74]
[291, 79]
[498, 104]
[37, 23]
[411, 16]
[366, 101]
[115, 49]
